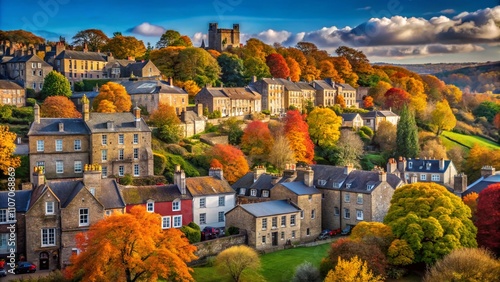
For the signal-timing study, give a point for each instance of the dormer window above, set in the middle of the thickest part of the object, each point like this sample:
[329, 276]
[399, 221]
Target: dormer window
[369, 187]
[265, 194]
[410, 165]
[428, 166]
[348, 186]
[150, 206]
[253, 192]
[322, 182]
[242, 191]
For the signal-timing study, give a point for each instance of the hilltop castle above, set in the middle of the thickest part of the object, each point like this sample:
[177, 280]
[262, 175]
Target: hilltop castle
[222, 38]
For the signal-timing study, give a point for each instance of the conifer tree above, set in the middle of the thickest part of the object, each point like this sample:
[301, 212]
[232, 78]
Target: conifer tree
[407, 134]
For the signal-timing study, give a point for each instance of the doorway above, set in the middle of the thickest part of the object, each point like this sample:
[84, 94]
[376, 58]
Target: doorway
[44, 260]
[274, 236]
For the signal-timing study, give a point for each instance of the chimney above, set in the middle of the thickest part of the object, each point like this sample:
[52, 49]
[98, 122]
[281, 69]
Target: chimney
[309, 177]
[60, 47]
[254, 79]
[413, 178]
[391, 165]
[36, 112]
[460, 183]
[38, 176]
[85, 48]
[130, 58]
[110, 125]
[180, 179]
[137, 115]
[61, 127]
[402, 164]
[441, 164]
[382, 176]
[487, 170]
[171, 81]
[348, 168]
[92, 174]
[199, 109]
[216, 172]
[289, 171]
[85, 108]
[258, 171]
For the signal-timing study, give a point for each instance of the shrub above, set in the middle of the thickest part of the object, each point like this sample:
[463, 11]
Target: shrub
[127, 179]
[396, 272]
[366, 130]
[5, 112]
[159, 163]
[325, 266]
[194, 225]
[233, 230]
[25, 113]
[266, 112]
[215, 114]
[193, 235]
[306, 272]
[176, 149]
[149, 180]
[30, 102]
[30, 92]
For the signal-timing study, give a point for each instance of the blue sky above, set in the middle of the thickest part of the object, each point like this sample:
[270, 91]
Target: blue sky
[396, 31]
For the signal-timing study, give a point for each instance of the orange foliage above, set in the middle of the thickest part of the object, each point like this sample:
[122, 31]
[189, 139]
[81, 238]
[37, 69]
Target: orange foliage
[496, 121]
[396, 98]
[277, 66]
[130, 247]
[257, 139]
[339, 100]
[368, 102]
[106, 106]
[214, 53]
[59, 107]
[294, 69]
[116, 94]
[471, 201]
[165, 114]
[215, 163]
[297, 132]
[7, 148]
[232, 160]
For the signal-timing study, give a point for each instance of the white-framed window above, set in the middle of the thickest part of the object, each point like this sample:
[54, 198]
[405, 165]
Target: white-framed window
[347, 213]
[121, 139]
[253, 192]
[49, 208]
[75, 251]
[40, 145]
[120, 154]
[313, 214]
[104, 155]
[203, 202]
[48, 237]
[203, 218]
[410, 165]
[150, 206]
[3, 215]
[78, 145]
[136, 153]
[359, 199]
[136, 138]
[283, 221]
[59, 167]
[435, 177]
[347, 197]
[242, 191]
[121, 170]
[4, 238]
[84, 217]
[136, 170]
[221, 216]
[423, 176]
[293, 234]
[165, 222]
[274, 222]
[265, 193]
[177, 221]
[292, 220]
[78, 166]
[104, 139]
[336, 211]
[104, 171]
[222, 201]
[359, 214]
[263, 239]
[59, 145]
[176, 205]
[264, 223]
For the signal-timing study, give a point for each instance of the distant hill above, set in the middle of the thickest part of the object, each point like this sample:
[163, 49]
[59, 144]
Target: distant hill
[482, 78]
[435, 68]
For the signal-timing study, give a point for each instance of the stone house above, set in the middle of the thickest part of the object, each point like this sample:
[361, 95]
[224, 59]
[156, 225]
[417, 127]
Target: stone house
[372, 119]
[423, 170]
[488, 177]
[308, 93]
[12, 94]
[212, 197]
[13, 216]
[293, 94]
[269, 225]
[349, 94]
[255, 186]
[352, 120]
[325, 92]
[29, 71]
[222, 38]
[272, 93]
[142, 69]
[213, 99]
[230, 101]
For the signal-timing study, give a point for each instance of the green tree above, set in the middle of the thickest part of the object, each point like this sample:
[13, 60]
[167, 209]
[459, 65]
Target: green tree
[431, 220]
[407, 135]
[349, 149]
[198, 65]
[237, 262]
[172, 38]
[94, 38]
[55, 84]
[324, 127]
[442, 118]
[168, 124]
[232, 127]
[255, 67]
[232, 70]
[487, 109]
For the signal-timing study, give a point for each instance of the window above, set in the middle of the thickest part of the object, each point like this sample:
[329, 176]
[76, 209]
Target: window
[282, 235]
[78, 145]
[203, 202]
[359, 200]
[121, 170]
[120, 139]
[265, 193]
[104, 155]
[40, 164]
[176, 205]
[177, 221]
[4, 237]
[435, 177]
[136, 153]
[39, 65]
[410, 165]
[283, 220]
[150, 206]
[292, 220]
[165, 222]
[40, 146]
[336, 211]
[84, 217]
[293, 234]
[104, 171]
[347, 197]
[203, 218]
[264, 223]
[104, 139]
[301, 214]
[263, 239]
[347, 213]
[308, 232]
[221, 216]
[423, 176]
[120, 154]
[59, 146]
[359, 214]
[313, 214]
[222, 201]
[78, 166]
[242, 191]
[136, 170]
[253, 192]
[274, 222]
[48, 237]
[3, 215]
[136, 138]
[108, 213]
[59, 167]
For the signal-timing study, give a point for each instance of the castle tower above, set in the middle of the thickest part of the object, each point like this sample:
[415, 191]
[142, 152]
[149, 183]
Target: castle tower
[220, 39]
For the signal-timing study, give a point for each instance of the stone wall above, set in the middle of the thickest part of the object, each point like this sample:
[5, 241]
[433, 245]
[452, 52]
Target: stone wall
[212, 139]
[215, 246]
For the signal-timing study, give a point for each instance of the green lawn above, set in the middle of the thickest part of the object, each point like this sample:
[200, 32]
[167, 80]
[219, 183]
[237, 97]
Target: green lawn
[467, 140]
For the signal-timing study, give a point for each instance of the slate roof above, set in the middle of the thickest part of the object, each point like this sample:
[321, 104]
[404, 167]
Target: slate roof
[323, 84]
[359, 180]
[65, 190]
[79, 55]
[149, 87]
[78, 95]
[240, 93]
[158, 193]
[421, 165]
[289, 85]
[207, 185]
[373, 114]
[22, 200]
[109, 195]
[123, 122]
[272, 81]
[136, 66]
[191, 116]
[346, 86]
[9, 84]
[50, 126]
[329, 174]
[299, 188]
[263, 182]
[304, 86]
[349, 116]
[270, 208]
[27, 58]
[482, 183]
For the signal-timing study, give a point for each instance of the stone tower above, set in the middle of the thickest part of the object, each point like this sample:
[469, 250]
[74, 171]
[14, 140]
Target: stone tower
[220, 39]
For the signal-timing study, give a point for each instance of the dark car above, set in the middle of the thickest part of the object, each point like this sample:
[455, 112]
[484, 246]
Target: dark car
[325, 234]
[24, 267]
[209, 233]
[347, 230]
[3, 272]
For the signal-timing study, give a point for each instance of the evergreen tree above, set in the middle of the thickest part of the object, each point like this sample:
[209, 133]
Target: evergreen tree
[407, 134]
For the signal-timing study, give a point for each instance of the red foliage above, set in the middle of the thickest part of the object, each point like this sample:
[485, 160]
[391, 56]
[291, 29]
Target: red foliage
[215, 163]
[488, 218]
[396, 98]
[496, 121]
[368, 102]
[277, 66]
[257, 139]
[231, 159]
[297, 132]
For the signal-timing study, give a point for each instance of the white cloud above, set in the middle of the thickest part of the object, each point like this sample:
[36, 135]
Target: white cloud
[420, 50]
[447, 11]
[147, 29]
[197, 38]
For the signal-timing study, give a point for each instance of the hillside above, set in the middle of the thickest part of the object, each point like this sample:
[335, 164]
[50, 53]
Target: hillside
[435, 68]
[482, 78]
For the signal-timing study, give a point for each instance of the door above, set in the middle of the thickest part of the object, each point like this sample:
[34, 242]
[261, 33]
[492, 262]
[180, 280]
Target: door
[44, 260]
[275, 238]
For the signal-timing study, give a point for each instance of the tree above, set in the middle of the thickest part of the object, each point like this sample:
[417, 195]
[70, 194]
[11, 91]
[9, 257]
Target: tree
[358, 60]
[396, 98]
[453, 94]
[189, 86]
[324, 127]
[297, 132]
[488, 218]
[170, 38]
[349, 149]
[339, 100]
[344, 69]
[257, 140]
[407, 135]
[255, 67]
[277, 66]
[132, 247]
[237, 261]
[328, 70]
[232, 70]
[281, 153]
[385, 136]
[94, 38]
[198, 65]
[442, 118]
[294, 67]
[353, 270]
[168, 124]
[477, 158]
[165, 60]
[471, 201]
[106, 106]
[487, 109]
[378, 91]
[431, 220]
[368, 102]
[400, 253]
[59, 107]
[55, 84]
[123, 47]
[7, 148]
[306, 272]
[374, 233]
[232, 159]
[432, 149]
[232, 128]
[114, 93]
[465, 264]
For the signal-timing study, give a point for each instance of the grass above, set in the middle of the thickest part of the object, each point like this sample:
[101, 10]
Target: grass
[467, 140]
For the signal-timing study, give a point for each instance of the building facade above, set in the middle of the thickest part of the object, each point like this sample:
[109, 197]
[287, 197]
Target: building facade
[29, 71]
[12, 94]
[423, 170]
[222, 38]
[230, 101]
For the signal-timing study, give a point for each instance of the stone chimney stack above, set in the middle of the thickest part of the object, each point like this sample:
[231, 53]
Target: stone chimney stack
[137, 114]
[199, 109]
[460, 183]
[402, 164]
[391, 165]
[413, 178]
[92, 175]
[216, 172]
[382, 176]
[441, 164]
[36, 112]
[38, 176]
[309, 177]
[170, 81]
[85, 108]
[258, 171]
[85, 48]
[61, 127]
[254, 78]
[348, 168]
[487, 170]
[180, 179]
[289, 171]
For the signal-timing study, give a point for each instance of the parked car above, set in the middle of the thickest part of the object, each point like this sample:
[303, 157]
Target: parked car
[209, 233]
[24, 267]
[335, 232]
[347, 230]
[3, 272]
[325, 234]
[222, 231]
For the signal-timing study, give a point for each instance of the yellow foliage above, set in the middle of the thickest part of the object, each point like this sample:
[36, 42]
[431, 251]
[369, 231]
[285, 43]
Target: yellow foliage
[354, 270]
[7, 148]
[236, 260]
[116, 94]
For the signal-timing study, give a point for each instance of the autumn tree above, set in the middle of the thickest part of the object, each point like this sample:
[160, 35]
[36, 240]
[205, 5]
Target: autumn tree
[94, 38]
[434, 87]
[344, 69]
[123, 47]
[378, 92]
[172, 38]
[132, 247]
[442, 118]
[375, 233]
[396, 98]
[471, 201]
[385, 137]
[165, 59]
[407, 135]
[237, 262]
[7, 148]
[232, 159]
[59, 107]
[487, 109]
[432, 149]
[328, 70]
[231, 69]
[353, 270]
[277, 66]
[324, 127]
[360, 64]
[453, 94]
[477, 158]
[198, 65]
[488, 218]
[339, 100]
[431, 220]
[55, 84]
[257, 140]
[400, 253]
[349, 149]
[165, 119]
[368, 102]
[281, 152]
[114, 93]
[297, 132]
[106, 106]
[294, 67]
